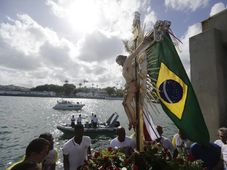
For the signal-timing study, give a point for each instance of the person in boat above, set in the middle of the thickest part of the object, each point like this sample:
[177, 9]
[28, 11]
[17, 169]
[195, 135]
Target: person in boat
[123, 142]
[73, 121]
[49, 162]
[77, 149]
[35, 153]
[129, 92]
[164, 141]
[92, 117]
[94, 121]
[222, 142]
[79, 120]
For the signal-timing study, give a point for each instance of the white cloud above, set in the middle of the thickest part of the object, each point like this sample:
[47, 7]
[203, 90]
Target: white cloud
[28, 49]
[150, 19]
[111, 21]
[89, 15]
[31, 55]
[55, 56]
[38, 55]
[185, 4]
[184, 48]
[112, 17]
[216, 8]
[20, 30]
[100, 47]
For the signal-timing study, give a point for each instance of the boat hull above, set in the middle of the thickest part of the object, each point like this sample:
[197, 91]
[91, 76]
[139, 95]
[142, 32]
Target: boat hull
[68, 107]
[68, 130]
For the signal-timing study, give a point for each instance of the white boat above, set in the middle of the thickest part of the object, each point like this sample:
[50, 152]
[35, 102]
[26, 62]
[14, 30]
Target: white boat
[68, 105]
[107, 128]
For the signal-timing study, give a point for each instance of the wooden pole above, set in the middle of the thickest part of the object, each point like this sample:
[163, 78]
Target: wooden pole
[137, 104]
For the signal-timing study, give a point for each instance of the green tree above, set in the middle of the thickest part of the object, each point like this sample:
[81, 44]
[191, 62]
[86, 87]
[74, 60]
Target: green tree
[111, 91]
[69, 89]
[119, 92]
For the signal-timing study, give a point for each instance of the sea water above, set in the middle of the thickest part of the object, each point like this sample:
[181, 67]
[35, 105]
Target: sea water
[25, 118]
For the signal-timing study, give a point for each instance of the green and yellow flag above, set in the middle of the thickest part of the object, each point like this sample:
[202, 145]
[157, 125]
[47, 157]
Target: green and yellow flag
[175, 91]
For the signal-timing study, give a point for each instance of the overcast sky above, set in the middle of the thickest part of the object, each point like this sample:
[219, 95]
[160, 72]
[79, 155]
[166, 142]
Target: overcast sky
[50, 41]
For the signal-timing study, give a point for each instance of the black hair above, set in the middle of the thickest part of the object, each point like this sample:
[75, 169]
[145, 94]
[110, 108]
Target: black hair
[49, 137]
[36, 146]
[120, 129]
[46, 136]
[78, 126]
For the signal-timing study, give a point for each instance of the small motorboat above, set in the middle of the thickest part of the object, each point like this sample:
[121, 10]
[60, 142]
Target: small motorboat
[107, 128]
[68, 105]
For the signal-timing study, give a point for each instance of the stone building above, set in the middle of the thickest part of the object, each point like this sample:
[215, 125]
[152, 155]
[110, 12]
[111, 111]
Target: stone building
[208, 52]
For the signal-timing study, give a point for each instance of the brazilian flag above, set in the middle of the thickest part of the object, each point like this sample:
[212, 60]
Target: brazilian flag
[175, 91]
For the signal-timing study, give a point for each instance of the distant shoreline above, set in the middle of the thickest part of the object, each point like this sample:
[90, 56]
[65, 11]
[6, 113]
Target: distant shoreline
[106, 98]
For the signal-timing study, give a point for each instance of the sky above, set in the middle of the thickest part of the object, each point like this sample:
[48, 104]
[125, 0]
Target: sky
[50, 41]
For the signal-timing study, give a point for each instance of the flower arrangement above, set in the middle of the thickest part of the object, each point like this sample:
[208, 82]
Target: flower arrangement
[107, 159]
[155, 157]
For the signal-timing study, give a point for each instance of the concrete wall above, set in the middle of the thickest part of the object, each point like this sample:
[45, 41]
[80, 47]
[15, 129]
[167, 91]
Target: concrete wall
[218, 21]
[208, 56]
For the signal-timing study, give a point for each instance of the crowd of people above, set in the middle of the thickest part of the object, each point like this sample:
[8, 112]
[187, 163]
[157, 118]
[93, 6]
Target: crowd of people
[213, 154]
[41, 155]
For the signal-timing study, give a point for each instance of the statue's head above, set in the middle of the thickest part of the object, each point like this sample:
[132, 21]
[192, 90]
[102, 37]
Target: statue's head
[121, 59]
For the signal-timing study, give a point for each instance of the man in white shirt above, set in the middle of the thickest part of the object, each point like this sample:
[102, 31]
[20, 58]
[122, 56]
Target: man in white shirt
[72, 121]
[76, 150]
[165, 142]
[79, 120]
[92, 117]
[123, 142]
[94, 121]
[222, 142]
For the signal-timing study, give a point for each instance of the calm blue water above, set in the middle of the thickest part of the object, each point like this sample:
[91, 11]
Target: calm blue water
[25, 118]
